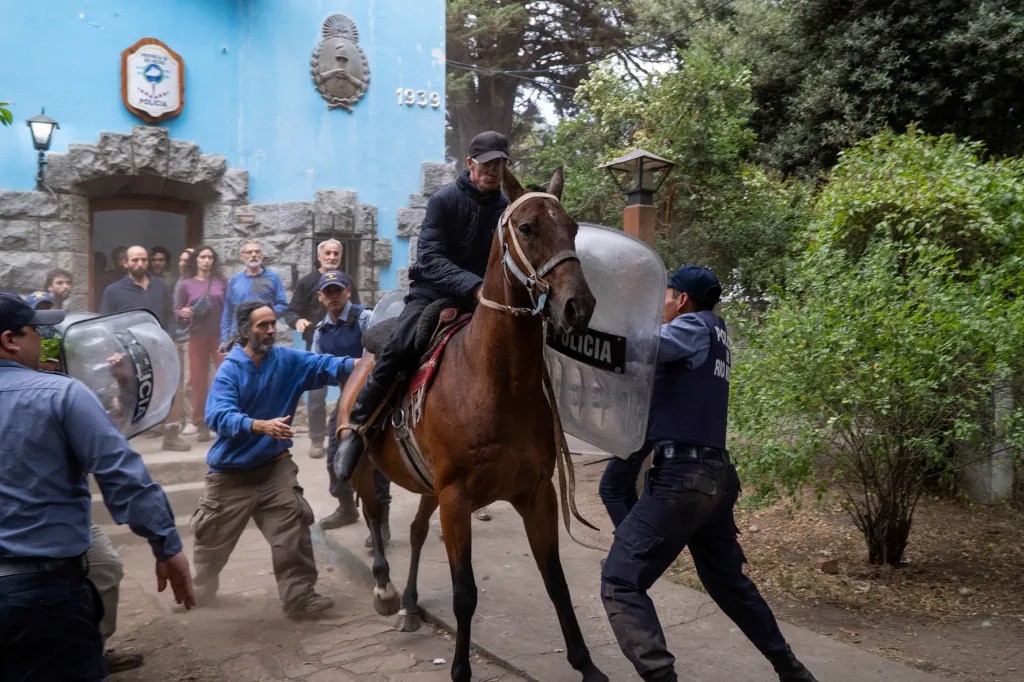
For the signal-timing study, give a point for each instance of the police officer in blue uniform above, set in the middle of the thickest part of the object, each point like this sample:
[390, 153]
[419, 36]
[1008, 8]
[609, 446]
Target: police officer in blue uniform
[690, 493]
[55, 433]
[340, 333]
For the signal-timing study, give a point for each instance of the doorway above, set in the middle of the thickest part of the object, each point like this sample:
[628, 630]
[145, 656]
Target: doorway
[144, 221]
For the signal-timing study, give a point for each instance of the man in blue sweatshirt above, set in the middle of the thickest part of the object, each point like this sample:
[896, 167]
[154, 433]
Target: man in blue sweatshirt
[251, 402]
[255, 283]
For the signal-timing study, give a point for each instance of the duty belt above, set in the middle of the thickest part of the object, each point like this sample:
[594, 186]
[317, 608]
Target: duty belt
[671, 450]
[22, 565]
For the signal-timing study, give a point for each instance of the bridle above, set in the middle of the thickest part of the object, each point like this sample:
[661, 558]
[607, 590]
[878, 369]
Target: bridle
[532, 279]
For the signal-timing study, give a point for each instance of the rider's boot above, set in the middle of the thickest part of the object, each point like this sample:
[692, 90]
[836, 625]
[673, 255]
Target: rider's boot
[352, 443]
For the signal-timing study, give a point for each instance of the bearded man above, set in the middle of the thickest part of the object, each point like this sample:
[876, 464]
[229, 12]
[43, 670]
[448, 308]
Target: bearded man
[252, 474]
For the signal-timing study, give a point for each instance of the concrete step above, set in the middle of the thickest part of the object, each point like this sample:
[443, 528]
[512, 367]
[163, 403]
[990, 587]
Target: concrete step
[169, 468]
[184, 498]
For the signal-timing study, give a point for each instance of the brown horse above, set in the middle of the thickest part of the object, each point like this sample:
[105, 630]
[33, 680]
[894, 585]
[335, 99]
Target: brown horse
[487, 429]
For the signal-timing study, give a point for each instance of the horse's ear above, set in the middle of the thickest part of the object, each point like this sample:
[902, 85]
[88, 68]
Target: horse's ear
[557, 182]
[513, 190]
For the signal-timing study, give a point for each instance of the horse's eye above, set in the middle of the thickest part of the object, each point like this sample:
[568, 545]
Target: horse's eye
[526, 229]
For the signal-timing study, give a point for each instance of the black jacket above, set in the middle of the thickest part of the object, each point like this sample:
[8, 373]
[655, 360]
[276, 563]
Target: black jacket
[306, 305]
[455, 239]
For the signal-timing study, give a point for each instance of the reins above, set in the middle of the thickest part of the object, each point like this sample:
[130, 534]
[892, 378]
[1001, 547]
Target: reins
[532, 279]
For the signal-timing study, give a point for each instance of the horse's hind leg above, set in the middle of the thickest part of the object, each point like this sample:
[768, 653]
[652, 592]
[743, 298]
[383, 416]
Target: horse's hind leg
[409, 619]
[540, 516]
[385, 595]
[458, 541]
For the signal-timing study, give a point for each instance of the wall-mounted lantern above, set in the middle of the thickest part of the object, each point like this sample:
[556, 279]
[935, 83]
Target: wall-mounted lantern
[42, 127]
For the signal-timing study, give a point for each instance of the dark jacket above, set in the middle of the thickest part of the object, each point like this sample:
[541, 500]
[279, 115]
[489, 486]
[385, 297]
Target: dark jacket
[124, 294]
[455, 239]
[306, 306]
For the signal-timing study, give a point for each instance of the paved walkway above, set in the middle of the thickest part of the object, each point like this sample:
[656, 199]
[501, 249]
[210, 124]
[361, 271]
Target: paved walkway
[246, 637]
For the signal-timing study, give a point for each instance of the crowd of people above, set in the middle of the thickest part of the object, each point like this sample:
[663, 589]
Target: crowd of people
[58, 574]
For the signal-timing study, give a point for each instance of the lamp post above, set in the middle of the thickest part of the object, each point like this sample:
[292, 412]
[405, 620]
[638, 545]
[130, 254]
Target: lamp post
[639, 174]
[42, 127]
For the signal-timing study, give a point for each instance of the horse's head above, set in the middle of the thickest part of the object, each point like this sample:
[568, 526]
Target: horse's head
[539, 238]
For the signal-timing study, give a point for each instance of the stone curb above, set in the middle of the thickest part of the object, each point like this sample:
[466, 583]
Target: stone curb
[360, 568]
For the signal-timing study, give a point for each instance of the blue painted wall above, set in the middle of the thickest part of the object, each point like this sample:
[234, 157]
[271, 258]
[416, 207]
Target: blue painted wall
[248, 91]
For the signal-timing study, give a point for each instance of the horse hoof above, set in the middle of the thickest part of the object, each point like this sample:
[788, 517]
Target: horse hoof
[594, 675]
[408, 622]
[386, 601]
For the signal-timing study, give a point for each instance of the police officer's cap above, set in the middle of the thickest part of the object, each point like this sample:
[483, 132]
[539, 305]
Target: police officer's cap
[698, 282]
[333, 278]
[15, 313]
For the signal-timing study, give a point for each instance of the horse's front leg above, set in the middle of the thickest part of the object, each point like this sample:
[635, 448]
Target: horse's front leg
[385, 595]
[540, 517]
[409, 619]
[456, 513]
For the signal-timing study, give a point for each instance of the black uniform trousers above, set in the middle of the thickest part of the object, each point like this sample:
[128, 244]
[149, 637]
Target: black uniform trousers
[49, 622]
[687, 502]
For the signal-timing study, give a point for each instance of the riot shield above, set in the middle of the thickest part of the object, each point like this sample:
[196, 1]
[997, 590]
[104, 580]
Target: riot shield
[603, 378]
[391, 305]
[127, 360]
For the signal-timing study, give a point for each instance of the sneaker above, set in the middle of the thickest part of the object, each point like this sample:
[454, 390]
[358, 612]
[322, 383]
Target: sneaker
[118, 661]
[340, 518]
[189, 430]
[155, 432]
[204, 435]
[313, 606]
[206, 594]
[317, 451]
[175, 444]
[483, 514]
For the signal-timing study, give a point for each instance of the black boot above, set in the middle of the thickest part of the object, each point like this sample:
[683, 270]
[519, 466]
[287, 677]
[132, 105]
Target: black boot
[385, 528]
[352, 442]
[789, 669]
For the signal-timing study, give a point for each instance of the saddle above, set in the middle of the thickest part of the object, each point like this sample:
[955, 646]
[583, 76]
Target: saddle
[438, 324]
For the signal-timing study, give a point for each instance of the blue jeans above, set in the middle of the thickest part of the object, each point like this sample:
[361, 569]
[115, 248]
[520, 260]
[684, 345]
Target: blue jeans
[49, 628]
[686, 503]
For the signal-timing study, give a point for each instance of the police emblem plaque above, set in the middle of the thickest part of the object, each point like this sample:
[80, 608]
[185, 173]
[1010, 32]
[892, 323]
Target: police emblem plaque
[340, 71]
[152, 80]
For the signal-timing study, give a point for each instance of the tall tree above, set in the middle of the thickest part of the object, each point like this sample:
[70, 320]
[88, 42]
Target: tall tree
[527, 50]
[840, 71]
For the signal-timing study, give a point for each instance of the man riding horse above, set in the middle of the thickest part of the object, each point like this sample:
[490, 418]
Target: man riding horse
[451, 256]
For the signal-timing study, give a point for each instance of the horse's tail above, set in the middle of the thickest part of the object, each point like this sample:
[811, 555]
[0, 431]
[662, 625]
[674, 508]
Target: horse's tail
[566, 470]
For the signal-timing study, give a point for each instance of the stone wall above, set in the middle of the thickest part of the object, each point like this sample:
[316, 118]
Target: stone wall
[44, 229]
[434, 177]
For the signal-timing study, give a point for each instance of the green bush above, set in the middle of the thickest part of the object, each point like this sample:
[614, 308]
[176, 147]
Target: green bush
[882, 351]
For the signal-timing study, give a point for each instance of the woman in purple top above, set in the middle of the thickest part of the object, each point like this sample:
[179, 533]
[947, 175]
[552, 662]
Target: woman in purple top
[198, 304]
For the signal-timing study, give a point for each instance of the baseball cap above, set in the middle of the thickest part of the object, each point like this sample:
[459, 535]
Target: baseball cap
[37, 297]
[15, 313]
[333, 278]
[488, 146]
[700, 283]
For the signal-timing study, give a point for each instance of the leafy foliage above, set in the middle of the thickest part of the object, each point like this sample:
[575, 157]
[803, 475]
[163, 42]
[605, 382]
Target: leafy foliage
[6, 118]
[545, 43]
[881, 354]
[715, 207]
[838, 72]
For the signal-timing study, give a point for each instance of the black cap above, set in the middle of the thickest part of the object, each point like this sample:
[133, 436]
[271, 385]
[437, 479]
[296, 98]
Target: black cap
[15, 313]
[699, 283]
[488, 146]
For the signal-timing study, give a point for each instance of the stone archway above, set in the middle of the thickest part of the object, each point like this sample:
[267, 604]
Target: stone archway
[44, 229]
